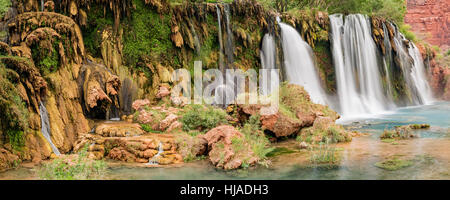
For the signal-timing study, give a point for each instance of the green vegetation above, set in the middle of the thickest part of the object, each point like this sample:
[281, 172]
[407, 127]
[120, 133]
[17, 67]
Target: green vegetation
[92, 33]
[46, 60]
[147, 33]
[324, 154]
[4, 6]
[394, 163]
[333, 133]
[202, 118]
[400, 132]
[280, 151]
[256, 138]
[419, 126]
[148, 128]
[14, 119]
[73, 167]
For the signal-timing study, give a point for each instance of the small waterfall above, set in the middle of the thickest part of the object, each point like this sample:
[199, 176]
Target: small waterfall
[229, 45]
[299, 64]
[268, 59]
[359, 85]
[196, 40]
[418, 76]
[45, 127]
[42, 5]
[221, 64]
[154, 159]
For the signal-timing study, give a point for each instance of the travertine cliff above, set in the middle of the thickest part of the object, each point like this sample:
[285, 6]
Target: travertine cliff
[430, 16]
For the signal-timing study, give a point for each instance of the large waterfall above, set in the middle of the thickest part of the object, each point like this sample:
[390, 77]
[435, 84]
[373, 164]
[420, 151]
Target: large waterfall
[299, 63]
[359, 73]
[359, 85]
[45, 127]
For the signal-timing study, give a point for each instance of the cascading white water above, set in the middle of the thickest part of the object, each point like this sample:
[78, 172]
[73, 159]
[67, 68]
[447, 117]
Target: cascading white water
[387, 62]
[299, 63]
[154, 159]
[221, 64]
[359, 86]
[411, 64]
[418, 76]
[45, 127]
[268, 60]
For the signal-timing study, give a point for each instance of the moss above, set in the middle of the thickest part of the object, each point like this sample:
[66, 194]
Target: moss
[14, 119]
[46, 60]
[280, 151]
[322, 51]
[399, 132]
[96, 22]
[394, 163]
[148, 33]
[4, 6]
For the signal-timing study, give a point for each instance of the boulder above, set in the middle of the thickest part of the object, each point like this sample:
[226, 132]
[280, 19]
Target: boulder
[140, 103]
[226, 154]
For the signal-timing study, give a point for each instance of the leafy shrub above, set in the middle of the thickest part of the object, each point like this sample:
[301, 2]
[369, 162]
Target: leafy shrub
[73, 167]
[202, 118]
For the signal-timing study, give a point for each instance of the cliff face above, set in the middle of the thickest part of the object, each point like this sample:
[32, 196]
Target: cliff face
[430, 16]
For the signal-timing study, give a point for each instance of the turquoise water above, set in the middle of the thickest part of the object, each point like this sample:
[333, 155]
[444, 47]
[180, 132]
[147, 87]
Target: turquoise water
[437, 115]
[430, 154]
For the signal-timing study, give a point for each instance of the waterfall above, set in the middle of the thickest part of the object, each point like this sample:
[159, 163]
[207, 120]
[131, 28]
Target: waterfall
[45, 127]
[359, 85]
[411, 64]
[418, 76]
[268, 59]
[229, 45]
[299, 65]
[42, 5]
[153, 160]
[387, 62]
[221, 64]
[196, 40]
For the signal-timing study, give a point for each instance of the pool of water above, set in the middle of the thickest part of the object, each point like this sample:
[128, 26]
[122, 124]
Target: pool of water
[430, 154]
[436, 114]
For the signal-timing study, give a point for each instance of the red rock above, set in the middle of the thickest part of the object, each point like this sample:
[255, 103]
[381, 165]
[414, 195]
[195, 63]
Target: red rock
[173, 126]
[165, 123]
[222, 154]
[430, 16]
[163, 92]
[138, 104]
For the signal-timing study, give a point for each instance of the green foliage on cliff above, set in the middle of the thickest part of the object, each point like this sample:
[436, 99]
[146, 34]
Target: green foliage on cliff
[390, 9]
[73, 167]
[96, 23]
[14, 118]
[47, 60]
[4, 6]
[202, 118]
[147, 33]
